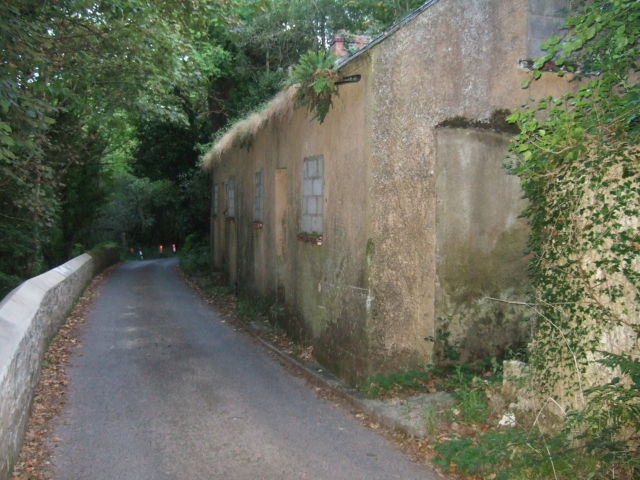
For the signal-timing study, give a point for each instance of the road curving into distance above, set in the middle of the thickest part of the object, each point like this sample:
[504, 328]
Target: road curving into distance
[162, 389]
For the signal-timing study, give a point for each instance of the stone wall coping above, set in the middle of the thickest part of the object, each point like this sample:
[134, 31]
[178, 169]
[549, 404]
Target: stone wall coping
[19, 307]
[29, 316]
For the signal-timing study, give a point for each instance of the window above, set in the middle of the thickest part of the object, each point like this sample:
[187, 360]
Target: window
[216, 200]
[259, 197]
[546, 18]
[231, 198]
[312, 194]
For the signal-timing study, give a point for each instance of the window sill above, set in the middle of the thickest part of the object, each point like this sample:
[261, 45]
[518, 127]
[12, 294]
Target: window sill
[308, 238]
[547, 67]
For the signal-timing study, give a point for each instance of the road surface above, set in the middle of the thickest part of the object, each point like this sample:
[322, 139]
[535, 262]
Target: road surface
[162, 389]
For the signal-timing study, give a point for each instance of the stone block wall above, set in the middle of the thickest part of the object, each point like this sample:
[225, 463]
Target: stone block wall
[29, 316]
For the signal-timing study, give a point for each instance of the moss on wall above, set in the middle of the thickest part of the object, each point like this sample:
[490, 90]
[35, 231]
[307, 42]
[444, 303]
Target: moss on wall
[480, 244]
[496, 122]
[470, 276]
[371, 293]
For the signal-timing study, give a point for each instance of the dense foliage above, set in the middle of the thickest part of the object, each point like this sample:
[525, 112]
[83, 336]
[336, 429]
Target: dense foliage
[73, 73]
[578, 158]
[106, 106]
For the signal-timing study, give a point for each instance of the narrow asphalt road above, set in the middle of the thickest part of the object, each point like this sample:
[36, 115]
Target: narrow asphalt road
[162, 389]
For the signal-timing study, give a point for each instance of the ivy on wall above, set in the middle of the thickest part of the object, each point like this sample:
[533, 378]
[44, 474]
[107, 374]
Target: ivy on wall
[578, 158]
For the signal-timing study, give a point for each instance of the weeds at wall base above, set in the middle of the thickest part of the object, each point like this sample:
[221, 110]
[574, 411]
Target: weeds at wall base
[467, 440]
[263, 314]
[465, 437]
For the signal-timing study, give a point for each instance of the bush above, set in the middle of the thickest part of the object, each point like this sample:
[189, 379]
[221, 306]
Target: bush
[195, 257]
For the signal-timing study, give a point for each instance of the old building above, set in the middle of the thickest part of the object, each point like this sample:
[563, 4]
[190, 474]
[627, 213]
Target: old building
[391, 224]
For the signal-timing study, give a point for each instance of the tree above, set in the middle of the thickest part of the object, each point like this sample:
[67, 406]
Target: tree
[68, 69]
[87, 88]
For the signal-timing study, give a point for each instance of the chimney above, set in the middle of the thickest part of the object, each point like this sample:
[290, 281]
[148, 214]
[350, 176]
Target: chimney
[344, 44]
[337, 44]
[359, 41]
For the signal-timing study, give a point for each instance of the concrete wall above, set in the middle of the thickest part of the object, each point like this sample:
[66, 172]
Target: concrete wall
[546, 18]
[479, 244]
[460, 58]
[324, 288]
[29, 316]
[374, 291]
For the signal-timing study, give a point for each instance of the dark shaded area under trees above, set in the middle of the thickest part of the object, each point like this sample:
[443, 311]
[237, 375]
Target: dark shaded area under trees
[106, 106]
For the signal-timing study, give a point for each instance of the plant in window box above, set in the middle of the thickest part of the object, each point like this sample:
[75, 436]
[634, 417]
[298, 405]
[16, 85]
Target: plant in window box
[257, 225]
[310, 237]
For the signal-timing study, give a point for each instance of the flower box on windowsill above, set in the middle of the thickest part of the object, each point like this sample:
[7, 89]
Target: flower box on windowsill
[312, 238]
[257, 225]
[231, 219]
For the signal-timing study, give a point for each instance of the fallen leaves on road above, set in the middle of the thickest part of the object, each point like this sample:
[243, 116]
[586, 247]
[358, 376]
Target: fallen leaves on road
[225, 304]
[418, 450]
[306, 355]
[34, 462]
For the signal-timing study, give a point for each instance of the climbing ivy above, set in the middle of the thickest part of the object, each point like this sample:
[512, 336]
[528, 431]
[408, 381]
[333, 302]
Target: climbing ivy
[577, 156]
[316, 83]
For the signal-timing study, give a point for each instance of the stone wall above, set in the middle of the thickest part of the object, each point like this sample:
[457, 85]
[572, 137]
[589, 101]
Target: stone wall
[29, 316]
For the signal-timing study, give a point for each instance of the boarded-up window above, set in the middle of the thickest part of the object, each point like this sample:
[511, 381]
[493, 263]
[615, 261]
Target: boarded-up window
[312, 194]
[259, 197]
[231, 196]
[546, 18]
[216, 199]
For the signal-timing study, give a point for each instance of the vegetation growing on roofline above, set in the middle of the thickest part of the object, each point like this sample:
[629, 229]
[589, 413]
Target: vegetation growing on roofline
[316, 79]
[106, 106]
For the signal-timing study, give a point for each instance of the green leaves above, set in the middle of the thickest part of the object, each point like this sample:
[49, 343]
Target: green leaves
[75, 73]
[578, 164]
[316, 82]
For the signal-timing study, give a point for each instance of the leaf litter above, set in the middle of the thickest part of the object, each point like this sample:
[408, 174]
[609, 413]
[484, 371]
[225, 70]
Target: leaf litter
[418, 450]
[34, 462]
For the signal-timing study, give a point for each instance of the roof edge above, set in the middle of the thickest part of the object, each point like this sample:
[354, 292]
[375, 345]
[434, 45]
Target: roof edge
[386, 33]
[282, 104]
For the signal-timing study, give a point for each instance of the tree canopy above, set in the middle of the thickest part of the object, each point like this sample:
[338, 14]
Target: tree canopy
[97, 96]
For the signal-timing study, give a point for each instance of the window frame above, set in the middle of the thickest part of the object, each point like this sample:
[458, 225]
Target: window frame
[312, 220]
[231, 197]
[216, 199]
[258, 201]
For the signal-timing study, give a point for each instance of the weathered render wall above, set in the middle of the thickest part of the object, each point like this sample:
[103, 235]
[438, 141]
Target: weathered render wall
[390, 267]
[479, 243]
[460, 58]
[325, 288]
[29, 316]
[546, 18]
